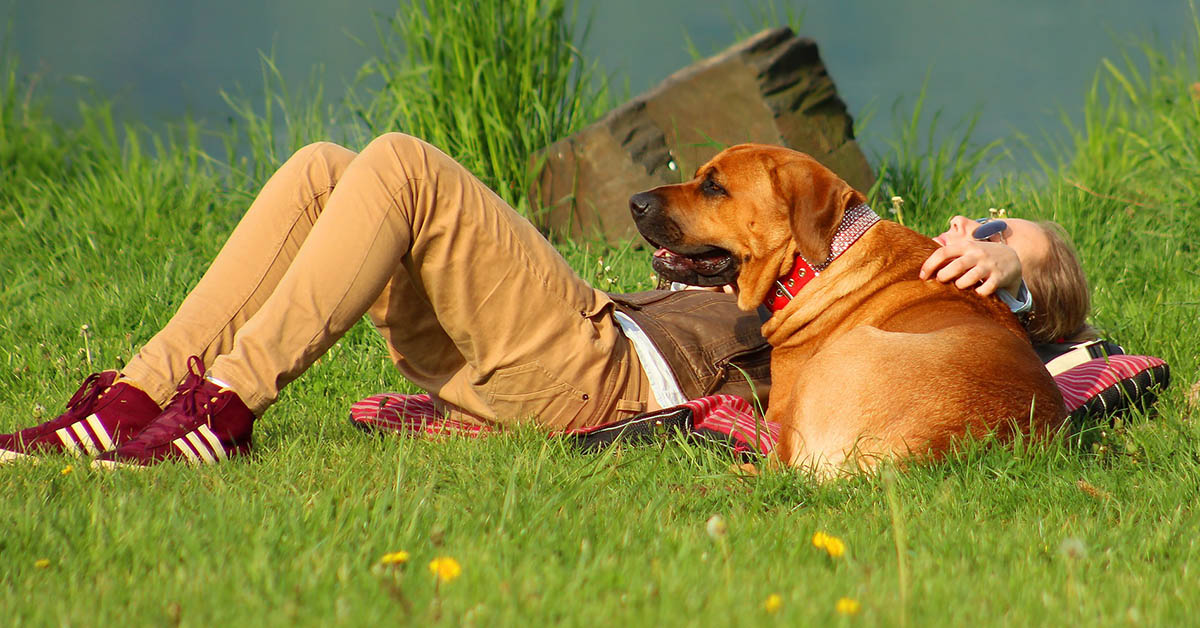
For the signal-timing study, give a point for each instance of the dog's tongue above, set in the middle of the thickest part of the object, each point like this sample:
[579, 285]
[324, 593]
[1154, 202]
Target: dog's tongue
[673, 259]
[704, 265]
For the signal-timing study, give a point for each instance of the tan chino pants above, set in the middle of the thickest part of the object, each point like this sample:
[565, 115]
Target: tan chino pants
[475, 306]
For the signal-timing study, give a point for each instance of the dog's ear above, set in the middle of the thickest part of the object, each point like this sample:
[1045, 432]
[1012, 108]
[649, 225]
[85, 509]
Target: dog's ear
[817, 199]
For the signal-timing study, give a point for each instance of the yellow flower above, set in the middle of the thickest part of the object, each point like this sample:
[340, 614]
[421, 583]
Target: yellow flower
[832, 545]
[394, 558]
[67, 470]
[445, 568]
[41, 563]
[847, 606]
[773, 603]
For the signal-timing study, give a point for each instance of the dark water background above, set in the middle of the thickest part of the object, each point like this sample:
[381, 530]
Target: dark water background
[1024, 62]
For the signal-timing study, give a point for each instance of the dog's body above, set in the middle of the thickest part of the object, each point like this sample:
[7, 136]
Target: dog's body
[869, 362]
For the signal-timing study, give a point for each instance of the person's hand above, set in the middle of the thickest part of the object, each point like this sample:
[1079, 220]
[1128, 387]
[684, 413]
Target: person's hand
[987, 266]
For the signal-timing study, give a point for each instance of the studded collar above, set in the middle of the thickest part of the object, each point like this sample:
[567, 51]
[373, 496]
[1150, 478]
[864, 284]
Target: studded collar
[855, 223]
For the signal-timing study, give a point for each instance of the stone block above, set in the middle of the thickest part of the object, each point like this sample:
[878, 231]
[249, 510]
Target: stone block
[772, 88]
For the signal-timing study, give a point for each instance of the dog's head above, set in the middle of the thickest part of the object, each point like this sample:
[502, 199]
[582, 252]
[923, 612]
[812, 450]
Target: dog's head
[743, 218]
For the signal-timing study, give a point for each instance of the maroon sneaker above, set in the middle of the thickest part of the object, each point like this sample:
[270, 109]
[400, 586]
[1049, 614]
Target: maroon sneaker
[99, 417]
[203, 424]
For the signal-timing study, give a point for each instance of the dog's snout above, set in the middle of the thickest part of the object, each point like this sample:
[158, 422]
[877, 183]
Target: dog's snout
[643, 203]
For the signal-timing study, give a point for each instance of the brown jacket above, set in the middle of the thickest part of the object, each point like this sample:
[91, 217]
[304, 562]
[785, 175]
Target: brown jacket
[711, 346]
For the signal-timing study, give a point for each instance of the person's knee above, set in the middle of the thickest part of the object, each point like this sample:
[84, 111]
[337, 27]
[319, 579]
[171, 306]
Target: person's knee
[401, 145]
[399, 157]
[326, 160]
[410, 154]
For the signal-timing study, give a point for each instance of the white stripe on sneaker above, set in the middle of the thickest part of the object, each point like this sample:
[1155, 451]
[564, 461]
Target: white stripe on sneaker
[186, 449]
[85, 439]
[68, 440]
[201, 447]
[212, 439]
[101, 433]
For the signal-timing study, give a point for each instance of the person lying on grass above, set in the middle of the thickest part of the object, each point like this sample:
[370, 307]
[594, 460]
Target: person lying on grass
[1005, 256]
[475, 306]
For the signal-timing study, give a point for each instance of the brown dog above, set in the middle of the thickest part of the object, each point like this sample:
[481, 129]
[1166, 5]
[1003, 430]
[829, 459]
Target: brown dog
[869, 362]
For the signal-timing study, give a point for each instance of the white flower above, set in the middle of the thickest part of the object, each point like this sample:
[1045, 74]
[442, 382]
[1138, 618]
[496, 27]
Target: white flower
[716, 527]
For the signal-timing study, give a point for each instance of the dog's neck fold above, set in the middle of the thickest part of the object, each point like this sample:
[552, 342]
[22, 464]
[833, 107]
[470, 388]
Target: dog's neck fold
[855, 222]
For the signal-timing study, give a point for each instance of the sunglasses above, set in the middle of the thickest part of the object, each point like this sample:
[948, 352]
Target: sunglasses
[990, 226]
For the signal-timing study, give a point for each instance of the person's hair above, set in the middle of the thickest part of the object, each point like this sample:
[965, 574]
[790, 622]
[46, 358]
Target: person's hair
[1061, 301]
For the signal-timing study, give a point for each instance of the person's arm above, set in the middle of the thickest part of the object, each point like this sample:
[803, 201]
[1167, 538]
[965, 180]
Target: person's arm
[988, 267]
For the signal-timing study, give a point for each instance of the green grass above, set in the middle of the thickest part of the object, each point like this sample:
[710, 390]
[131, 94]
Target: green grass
[439, 78]
[110, 227]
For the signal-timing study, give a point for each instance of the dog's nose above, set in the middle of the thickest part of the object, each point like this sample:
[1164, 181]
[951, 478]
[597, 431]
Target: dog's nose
[641, 203]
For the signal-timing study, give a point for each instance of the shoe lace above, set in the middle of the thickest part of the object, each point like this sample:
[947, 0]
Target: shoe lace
[80, 404]
[187, 393]
[189, 398]
[88, 393]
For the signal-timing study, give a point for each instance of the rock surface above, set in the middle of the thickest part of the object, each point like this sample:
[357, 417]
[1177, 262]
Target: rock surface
[772, 88]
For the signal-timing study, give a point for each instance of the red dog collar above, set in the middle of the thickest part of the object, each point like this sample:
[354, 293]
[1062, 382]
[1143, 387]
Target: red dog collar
[855, 223]
[789, 285]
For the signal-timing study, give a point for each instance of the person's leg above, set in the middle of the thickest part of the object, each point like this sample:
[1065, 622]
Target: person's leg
[441, 258]
[475, 305]
[105, 413]
[244, 273]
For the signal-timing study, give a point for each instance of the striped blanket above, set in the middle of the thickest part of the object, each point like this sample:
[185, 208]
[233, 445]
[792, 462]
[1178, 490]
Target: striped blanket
[1099, 387]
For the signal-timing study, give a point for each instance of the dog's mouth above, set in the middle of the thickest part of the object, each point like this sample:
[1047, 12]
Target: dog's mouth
[707, 266]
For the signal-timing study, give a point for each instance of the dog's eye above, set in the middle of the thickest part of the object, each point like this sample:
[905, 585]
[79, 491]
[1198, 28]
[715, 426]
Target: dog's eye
[712, 188]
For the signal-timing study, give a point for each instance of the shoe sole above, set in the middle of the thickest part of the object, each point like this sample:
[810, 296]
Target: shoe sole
[113, 464]
[7, 457]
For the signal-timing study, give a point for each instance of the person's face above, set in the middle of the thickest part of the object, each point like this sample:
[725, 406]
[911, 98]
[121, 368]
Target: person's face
[1025, 237]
